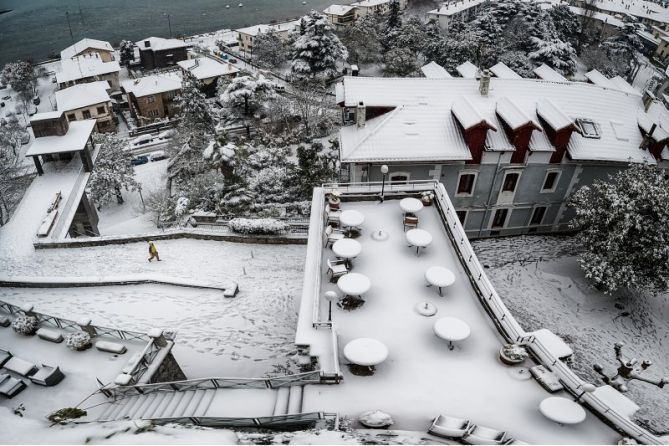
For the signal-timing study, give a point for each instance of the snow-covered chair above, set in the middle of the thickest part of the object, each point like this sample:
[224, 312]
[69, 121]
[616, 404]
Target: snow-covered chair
[47, 376]
[410, 222]
[4, 321]
[4, 357]
[50, 335]
[20, 366]
[332, 235]
[332, 216]
[10, 386]
[485, 435]
[450, 427]
[337, 268]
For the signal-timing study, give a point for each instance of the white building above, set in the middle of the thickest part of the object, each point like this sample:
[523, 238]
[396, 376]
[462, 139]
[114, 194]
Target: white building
[88, 68]
[87, 101]
[340, 15]
[87, 47]
[458, 10]
[364, 7]
[248, 35]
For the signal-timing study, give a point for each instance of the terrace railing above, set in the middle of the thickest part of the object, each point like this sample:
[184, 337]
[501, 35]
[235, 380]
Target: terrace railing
[275, 422]
[218, 383]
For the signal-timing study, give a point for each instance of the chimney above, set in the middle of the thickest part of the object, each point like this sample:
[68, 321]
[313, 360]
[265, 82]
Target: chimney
[360, 114]
[147, 44]
[484, 83]
[654, 146]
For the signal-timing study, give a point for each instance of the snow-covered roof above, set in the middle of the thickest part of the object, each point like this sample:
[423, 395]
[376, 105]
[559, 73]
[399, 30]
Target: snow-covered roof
[646, 122]
[598, 78]
[513, 115]
[46, 115]
[338, 9]
[157, 83]
[262, 28]
[435, 71]
[616, 400]
[501, 70]
[548, 74]
[425, 105]
[73, 141]
[648, 37]
[637, 8]
[602, 17]
[83, 45]
[82, 95]
[206, 68]
[453, 8]
[623, 85]
[369, 3]
[468, 70]
[467, 115]
[160, 44]
[81, 67]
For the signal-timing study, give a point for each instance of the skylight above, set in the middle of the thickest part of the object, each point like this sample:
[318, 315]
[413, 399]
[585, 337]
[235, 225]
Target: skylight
[589, 128]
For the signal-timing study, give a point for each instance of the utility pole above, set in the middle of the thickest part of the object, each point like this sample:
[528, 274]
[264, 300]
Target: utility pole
[169, 23]
[67, 16]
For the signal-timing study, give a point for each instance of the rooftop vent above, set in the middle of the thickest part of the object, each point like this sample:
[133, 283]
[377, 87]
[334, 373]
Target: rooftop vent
[484, 83]
[589, 128]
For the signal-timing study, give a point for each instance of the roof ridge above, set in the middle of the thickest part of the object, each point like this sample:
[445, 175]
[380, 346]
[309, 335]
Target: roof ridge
[381, 124]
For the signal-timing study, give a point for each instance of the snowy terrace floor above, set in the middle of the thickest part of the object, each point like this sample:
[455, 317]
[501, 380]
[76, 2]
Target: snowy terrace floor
[421, 378]
[80, 369]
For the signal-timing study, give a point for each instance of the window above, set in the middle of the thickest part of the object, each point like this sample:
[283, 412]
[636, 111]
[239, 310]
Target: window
[551, 181]
[150, 99]
[589, 128]
[462, 216]
[466, 181]
[499, 219]
[102, 110]
[86, 114]
[71, 117]
[510, 182]
[538, 215]
[399, 177]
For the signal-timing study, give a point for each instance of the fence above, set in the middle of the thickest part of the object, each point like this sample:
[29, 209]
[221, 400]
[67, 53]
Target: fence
[296, 225]
[218, 383]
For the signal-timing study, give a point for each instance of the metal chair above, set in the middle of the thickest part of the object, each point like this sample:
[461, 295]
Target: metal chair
[450, 427]
[485, 435]
[332, 235]
[410, 222]
[337, 268]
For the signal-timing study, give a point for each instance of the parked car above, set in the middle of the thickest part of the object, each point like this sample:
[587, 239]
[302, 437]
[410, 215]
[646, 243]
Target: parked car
[36, 100]
[158, 155]
[138, 161]
[141, 140]
[232, 60]
[6, 98]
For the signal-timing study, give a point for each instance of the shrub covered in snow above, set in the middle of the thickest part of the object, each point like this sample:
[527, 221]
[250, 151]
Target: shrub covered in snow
[67, 413]
[263, 226]
[25, 325]
[78, 341]
[513, 353]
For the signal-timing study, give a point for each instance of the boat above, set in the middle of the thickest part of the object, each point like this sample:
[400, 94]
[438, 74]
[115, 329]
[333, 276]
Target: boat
[241, 5]
[227, 6]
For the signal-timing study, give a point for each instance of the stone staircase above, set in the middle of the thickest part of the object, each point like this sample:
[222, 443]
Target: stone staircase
[210, 403]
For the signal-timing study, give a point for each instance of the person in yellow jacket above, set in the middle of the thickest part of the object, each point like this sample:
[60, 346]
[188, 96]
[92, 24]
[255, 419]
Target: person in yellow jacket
[153, 252]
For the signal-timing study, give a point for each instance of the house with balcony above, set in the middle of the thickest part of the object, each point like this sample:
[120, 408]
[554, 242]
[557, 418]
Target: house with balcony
[207, 71]
[88, 101]
[156, 52]
[340, 16]
[364, 7]
[152, 97]
[88, 68]
[88, 47]
[246, 36]
[510, 152]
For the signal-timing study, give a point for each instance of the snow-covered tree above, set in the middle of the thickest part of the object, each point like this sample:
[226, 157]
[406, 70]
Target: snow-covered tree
[518, 62]
[11, 134]
[400, 62]
[113, 171]
[394, 20]
[623, 227]
[310, 102]
[127, 51]
[269, 51]
[248, 93]
[546, 47]
[314, 167]
[362, 39]
[21, 76]
[567, 24]
[624, 46]
[317, 50]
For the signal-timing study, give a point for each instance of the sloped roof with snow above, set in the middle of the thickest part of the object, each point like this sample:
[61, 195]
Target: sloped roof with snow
[206, 68]
[548, 74]
[82, 95]
[160, 44]
[467, 115]
[623, 85]
[637, 8]
[501, 70]
[428, 103]
[83, 45]
[279, 28]
[468, 70]
[453, 8]
[598, 78]
[73, 141]
[338, 9]
[81, 67]
[602, 17]
[370, 3]
[513, 115]
[435, 71]
[157, 83]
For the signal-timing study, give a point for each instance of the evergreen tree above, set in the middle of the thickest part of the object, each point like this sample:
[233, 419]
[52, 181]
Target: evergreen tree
[623, 227]
[127, 51]
[362, 40]
[624, 46]
[314, 168]
[394, 20]
[567, 24]
[269, 51]
[400, 62]
[113, 170]
[317, 50]
[248, 93]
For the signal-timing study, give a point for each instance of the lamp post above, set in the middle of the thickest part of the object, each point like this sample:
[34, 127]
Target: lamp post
[384, 171]
[330, 296]
[587, 388]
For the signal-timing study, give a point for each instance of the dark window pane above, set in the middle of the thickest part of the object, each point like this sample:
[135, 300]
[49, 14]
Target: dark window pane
[550, 180]
[538, 215]
[510, 181]
[466, 184]
[500, 218]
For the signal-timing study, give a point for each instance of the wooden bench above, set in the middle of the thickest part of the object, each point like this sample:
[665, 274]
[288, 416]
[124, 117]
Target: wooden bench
[50, 335]
[111, 347]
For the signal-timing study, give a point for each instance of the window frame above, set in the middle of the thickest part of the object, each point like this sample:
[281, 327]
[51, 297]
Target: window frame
[515, 186]
[86, 112]
[555, 182]
[463, 220]
[543, 216]
[399, 174]
[506, 218]
[475, 173]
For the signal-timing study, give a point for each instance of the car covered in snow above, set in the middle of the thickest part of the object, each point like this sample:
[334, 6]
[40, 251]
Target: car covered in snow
[138, 161]
[158, 155]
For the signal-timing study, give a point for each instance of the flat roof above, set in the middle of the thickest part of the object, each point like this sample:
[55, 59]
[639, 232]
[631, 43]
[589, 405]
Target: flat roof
[206, 68]
[73, 141]
[82, 95]
[338, 9]
[160, 44]
[46, 115]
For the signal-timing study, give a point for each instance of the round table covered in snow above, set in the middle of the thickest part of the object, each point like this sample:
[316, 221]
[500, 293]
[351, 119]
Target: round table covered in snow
[347, 248]
[419, 238]
[354, 284]
[351, 219]
[411, 205]
[366, 352]
[451, 329]
[562, 410]
[440, 277]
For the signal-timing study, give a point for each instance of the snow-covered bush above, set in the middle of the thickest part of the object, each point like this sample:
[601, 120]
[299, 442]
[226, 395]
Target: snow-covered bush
[78, 341]
[25, 325]
[263, 226]
[513, 353]
[181, 206]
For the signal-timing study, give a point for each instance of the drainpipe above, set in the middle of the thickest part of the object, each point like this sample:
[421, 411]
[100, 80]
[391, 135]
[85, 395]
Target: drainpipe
[492, 185]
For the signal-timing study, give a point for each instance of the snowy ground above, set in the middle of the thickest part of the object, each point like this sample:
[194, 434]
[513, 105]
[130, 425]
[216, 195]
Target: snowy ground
[553, 293]
[421, 378]
[131, 216]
